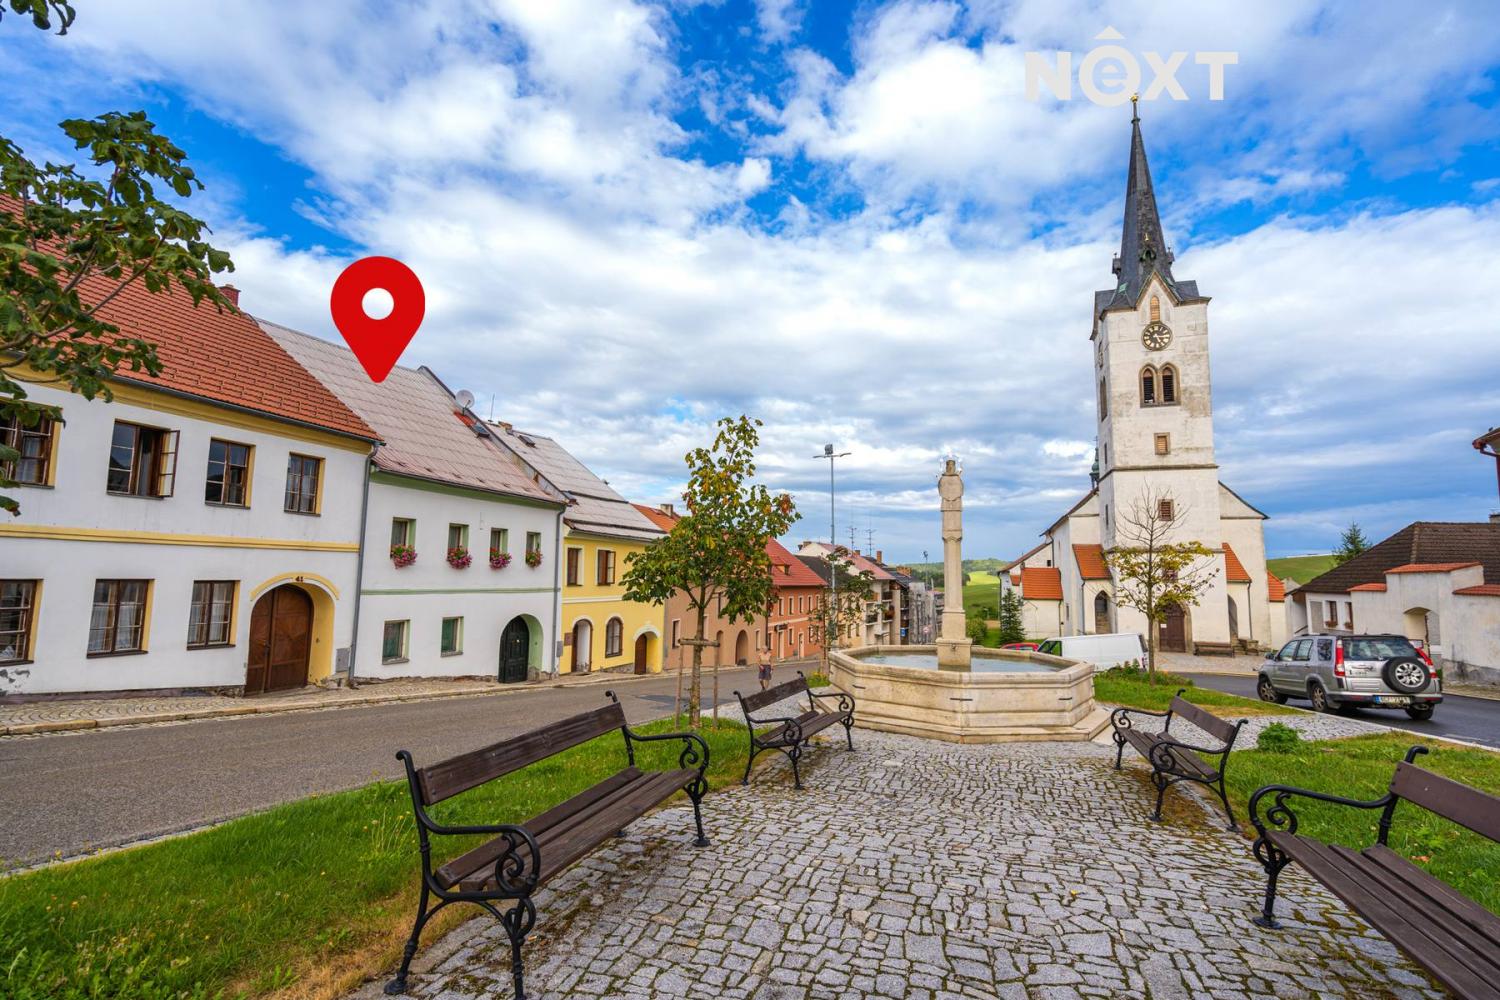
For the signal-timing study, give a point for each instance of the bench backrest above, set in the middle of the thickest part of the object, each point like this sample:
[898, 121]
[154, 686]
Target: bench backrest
[447, 778]
[1206, 721]
[771, 696]
[1450, 799]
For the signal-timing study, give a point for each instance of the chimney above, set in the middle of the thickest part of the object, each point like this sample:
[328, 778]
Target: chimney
[666, 509]
[232, 294]
[1495, 517]
[880, 555]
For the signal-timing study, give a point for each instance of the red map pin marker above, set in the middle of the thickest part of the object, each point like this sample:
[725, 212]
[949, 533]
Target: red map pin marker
[377, 343]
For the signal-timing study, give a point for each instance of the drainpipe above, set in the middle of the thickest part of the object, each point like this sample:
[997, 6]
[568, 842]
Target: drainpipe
[359, 566]
[557, 596]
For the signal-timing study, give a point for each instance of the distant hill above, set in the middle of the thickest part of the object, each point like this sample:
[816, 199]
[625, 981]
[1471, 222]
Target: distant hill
[1301, 568]
[992, 566]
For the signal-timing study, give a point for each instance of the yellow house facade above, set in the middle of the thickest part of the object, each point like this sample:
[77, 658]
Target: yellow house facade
[599, 628]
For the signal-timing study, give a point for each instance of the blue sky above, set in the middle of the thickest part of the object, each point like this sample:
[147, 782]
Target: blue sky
[850, 221]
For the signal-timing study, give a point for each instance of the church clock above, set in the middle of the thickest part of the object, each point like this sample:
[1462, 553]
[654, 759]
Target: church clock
[1157, 336]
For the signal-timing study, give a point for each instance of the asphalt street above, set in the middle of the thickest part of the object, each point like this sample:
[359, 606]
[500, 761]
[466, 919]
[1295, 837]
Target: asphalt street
[73, 792]
[1476, 720]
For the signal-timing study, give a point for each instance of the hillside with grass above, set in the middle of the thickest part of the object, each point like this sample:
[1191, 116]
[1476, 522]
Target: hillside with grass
[1301, 568]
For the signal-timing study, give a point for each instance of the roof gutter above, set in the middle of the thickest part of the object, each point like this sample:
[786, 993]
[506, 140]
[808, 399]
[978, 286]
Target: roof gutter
[250, 411]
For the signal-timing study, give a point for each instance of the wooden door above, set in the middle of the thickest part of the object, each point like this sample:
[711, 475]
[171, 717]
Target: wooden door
[1172, 637]
[280, 641]
[515, 652]
[641, 643]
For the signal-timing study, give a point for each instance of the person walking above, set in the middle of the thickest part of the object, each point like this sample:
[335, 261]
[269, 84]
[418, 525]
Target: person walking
[765, 669]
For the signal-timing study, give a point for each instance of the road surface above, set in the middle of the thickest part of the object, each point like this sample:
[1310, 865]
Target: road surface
[72, 792]
[1476, 720]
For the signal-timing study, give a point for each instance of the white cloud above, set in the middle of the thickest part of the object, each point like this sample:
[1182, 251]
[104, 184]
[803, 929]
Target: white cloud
[778, 20]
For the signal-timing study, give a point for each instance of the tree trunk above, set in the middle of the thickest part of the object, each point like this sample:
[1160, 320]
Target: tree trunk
[677, 701]
[695, 688]
[1151, 631]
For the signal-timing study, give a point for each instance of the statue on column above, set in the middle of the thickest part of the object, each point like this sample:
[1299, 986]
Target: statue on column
[954, 647]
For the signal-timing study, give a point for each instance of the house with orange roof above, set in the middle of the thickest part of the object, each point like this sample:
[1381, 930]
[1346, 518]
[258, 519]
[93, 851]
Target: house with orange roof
[791, 632]
[679, 621]
[201, 531]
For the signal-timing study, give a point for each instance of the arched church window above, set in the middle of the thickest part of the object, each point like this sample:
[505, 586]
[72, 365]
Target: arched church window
[1148, 386]
[1103, 401]
[1155, 309]
[1168, 384]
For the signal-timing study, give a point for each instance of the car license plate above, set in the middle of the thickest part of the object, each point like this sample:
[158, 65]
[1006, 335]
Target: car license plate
[1388, 700]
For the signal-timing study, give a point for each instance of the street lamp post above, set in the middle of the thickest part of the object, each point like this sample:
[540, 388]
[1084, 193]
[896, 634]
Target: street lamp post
[833, 535]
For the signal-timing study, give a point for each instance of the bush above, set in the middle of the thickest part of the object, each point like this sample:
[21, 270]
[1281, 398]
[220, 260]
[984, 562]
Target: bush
[1278, 737]
[1135, 671]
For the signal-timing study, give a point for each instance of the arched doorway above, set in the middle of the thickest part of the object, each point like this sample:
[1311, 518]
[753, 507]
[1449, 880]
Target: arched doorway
[515, 651]
[1101, 613]
[742, 648]
[1421, 626]
[642, 649]
[583, 645]
[281, 626]
[1172, 632]
[1234, 621]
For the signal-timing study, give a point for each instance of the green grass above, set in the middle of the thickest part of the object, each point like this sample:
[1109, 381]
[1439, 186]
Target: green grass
[1361, 768]
[303, 900]
[1301, 568]
[1122, 686]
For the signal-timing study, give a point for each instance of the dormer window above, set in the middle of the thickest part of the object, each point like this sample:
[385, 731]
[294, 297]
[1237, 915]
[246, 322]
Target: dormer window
[1155, 309]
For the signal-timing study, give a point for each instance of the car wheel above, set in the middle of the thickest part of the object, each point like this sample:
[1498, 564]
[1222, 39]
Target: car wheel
[1405, 674]
[1319, 698]
[1267, 691]
[1420, 713]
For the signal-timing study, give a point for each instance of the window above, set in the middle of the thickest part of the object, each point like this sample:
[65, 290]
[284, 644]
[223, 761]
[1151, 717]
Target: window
[1163, 444]
[676, 632]
[142, 461]
[34, 467]
[453, 637]
[1331, 608]
[1148, 386]
[614, 637]
[1349, 615]
[211, 615]
[393, 642]
[1325, 649]
[1155, 309]
[1103, 401]
[118, 622]
[1166, 510]
[604, 574]
[303, 474]
[499, 541]
[458, 536]
[228, 482]
[17, 607]
[534, 541]
[1168, 384]
[1303, 652]
[1104, 453]
[403, 531]
[575, 560]
[1106, 515]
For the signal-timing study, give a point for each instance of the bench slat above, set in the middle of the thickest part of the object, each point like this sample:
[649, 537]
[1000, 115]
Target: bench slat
[1481, 921]
[1448, 798]
[447, 778]
[1428, 945]
[771, 696]
[1206, 721]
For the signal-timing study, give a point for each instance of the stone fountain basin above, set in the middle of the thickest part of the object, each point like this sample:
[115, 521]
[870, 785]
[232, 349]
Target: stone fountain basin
[1007, 695]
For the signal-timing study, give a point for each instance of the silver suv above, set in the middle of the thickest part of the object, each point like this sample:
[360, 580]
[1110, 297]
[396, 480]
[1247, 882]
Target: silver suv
[1339, 671]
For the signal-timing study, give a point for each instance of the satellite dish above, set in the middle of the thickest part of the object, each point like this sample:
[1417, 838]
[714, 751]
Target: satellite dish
[464, 398]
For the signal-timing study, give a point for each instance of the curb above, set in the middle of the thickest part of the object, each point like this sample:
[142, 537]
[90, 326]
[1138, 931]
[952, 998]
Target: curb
[78, 725]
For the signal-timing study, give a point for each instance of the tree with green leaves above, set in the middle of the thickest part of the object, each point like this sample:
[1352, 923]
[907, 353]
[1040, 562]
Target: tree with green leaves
[1012, 618]
[716, 554]
[841, 607]
[72, 239]
[1152, 573]
[1351, 543]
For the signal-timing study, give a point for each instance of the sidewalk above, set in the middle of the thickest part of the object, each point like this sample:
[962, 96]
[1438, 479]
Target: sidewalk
[36, 717]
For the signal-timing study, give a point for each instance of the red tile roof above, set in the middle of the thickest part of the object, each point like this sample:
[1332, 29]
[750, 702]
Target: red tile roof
[1275, 589]
[657, 516]
[1445, 567]
[1374, 588]
[862, 564]
[790, 571]
[1041, 583]
[1482, 590]
[1234, 570]
[1091, 562]
[1422, 542]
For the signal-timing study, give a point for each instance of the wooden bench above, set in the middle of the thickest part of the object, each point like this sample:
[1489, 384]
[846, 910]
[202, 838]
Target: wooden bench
[791, 734]
[1454, 938]
[1173, 760]
[519, 859]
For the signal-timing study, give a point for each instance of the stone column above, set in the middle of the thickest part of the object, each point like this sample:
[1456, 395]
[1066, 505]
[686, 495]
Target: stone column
[953, 645]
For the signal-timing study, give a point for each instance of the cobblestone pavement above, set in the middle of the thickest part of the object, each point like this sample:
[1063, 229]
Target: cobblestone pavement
[924, 870]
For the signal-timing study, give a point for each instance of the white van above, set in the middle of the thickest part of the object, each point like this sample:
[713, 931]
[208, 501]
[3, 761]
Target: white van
[1103, 651]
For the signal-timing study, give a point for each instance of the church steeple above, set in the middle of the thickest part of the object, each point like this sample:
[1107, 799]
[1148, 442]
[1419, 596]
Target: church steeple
[1143, 247]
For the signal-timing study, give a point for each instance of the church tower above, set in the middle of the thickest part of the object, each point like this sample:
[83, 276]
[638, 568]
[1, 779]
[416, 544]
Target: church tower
[1155, 406]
